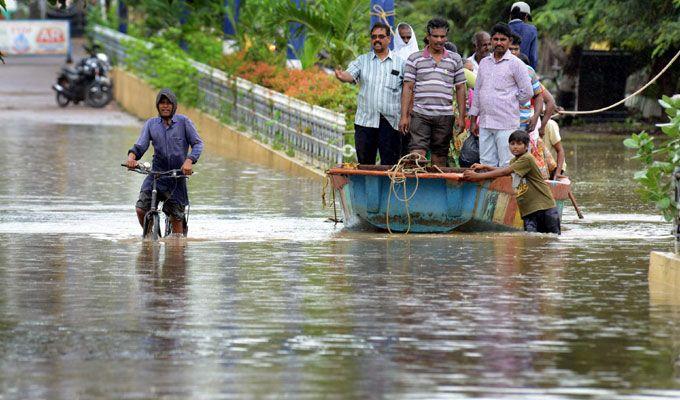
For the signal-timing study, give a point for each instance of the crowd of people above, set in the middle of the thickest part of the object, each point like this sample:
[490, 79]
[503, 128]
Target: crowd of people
[416, 101]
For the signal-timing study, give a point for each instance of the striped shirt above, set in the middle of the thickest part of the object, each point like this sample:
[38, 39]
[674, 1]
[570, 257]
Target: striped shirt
[501, 86]
[526, 110]
[380, 92]
[434, 82]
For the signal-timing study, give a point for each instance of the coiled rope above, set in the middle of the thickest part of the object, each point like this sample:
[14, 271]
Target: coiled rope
[632, 95]
[408, 164]
[380, 12]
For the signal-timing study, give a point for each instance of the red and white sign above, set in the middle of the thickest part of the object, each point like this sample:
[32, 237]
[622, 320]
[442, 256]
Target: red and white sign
[34, 37]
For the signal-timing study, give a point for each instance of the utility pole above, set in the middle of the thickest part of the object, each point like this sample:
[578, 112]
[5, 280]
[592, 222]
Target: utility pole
[230, 24]
[296, 41]
[43, 9]
[122, 17]
[383, 11]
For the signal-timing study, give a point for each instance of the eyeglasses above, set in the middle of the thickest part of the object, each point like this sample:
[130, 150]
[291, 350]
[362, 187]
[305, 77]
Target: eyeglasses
[381, 37]
[406, 37]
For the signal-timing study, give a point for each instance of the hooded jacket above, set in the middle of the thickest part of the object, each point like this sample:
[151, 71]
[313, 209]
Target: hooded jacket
[171, 148]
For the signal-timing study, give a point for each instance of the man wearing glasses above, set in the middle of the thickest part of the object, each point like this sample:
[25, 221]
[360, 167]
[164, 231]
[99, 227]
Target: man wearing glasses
[380, 74]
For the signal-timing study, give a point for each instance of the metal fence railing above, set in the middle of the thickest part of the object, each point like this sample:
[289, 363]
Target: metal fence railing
[313, 133]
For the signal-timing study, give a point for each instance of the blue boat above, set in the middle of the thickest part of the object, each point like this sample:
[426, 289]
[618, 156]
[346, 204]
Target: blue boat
[429, 202]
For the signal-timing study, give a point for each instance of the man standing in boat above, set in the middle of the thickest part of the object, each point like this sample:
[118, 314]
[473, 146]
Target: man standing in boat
[520, 15]
[430, 77]
[380, 74]
[502, 84]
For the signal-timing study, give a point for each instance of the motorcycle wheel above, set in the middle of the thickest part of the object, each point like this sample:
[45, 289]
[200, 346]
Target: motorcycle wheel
[98, 95]
[62, 99]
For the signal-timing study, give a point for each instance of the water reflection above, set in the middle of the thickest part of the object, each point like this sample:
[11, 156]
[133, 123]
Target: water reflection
[164, 295]
[267, 298]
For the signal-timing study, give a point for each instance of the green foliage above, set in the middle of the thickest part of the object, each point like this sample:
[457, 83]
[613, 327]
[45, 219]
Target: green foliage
[648, 27]
[260, 29]
[659, 161]
[158, 15]
[164, 65]
[203, 44]
[342, 25]
[95, 17]
[465, 17]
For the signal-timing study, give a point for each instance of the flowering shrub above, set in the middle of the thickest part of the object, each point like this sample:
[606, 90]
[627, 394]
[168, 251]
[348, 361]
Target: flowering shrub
[313, 85]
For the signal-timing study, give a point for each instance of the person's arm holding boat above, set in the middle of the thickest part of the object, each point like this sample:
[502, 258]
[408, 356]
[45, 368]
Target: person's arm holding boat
[490, 172]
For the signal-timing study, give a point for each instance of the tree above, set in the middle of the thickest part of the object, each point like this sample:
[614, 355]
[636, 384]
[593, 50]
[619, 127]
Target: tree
[659, 160]
[340, 25]
[646, 29]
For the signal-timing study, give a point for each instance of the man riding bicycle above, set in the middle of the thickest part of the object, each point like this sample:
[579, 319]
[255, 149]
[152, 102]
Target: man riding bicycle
[172, 135]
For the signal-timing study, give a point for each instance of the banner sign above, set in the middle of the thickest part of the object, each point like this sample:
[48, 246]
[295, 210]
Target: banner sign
[34, 37]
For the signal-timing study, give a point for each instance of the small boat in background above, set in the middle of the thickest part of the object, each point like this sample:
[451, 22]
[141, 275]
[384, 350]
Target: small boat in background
[435, 200]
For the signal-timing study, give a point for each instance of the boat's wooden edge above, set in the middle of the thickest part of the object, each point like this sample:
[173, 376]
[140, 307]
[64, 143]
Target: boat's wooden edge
[560, 188]
[426, 175]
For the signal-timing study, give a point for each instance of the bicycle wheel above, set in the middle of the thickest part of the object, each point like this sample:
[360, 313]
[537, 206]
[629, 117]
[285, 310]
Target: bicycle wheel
[152, 227]
[156, 231]
[168, 226]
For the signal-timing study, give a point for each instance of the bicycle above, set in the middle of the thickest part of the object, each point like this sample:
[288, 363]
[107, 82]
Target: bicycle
[151, 227]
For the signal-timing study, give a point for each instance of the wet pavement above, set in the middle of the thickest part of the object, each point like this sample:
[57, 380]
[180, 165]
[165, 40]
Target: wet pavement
[268, 300]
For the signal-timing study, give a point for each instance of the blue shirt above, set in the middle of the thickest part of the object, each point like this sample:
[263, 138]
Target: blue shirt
[171, 148]
[380, 93]
[529, 35]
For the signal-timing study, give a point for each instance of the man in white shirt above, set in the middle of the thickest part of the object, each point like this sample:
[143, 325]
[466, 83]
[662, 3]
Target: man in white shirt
[482, 44]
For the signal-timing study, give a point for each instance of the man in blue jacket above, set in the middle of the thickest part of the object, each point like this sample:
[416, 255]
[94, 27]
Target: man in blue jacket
[520, 13]
[172, 135]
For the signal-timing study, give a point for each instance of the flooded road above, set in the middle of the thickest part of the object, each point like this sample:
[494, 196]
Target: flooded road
[268, 300]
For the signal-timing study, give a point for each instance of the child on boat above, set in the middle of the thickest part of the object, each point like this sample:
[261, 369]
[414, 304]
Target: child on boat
[534, 199]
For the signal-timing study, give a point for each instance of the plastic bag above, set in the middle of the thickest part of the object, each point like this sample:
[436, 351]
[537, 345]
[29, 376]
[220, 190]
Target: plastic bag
[469, 153]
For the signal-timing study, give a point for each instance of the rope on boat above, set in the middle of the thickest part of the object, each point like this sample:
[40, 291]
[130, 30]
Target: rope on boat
[408, 164]
[632, 95]
[326, 183]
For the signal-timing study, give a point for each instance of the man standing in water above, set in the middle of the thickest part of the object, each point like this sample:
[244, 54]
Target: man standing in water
[172, 135]
[380, 74]
[502, 84]
[430, 78]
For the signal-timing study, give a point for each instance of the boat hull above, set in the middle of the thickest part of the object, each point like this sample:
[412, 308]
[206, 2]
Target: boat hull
[430, 203]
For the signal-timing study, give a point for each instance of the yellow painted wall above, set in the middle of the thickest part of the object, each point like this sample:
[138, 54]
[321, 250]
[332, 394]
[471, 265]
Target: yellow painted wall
[664, 278]
[138, 98]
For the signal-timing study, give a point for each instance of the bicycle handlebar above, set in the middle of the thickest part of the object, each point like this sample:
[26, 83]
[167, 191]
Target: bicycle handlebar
[171, 173]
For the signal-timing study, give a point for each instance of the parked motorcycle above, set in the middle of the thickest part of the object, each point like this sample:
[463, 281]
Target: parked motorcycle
[88, 81]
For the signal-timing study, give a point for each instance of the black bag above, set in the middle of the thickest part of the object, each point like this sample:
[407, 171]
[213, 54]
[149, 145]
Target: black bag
[469, 153]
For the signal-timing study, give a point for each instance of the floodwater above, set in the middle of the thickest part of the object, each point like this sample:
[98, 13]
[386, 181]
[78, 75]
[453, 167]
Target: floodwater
[267, 299]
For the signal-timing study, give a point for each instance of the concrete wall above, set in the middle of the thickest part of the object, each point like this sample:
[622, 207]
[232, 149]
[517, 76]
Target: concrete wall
[664, 280]
[138, 98]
